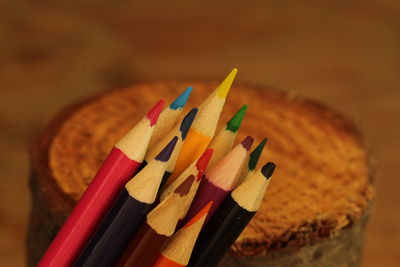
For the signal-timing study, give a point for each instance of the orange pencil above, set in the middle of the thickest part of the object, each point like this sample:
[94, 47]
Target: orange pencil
[179, 249]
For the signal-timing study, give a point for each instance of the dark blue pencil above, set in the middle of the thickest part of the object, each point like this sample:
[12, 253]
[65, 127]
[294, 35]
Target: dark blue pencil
[127, 213]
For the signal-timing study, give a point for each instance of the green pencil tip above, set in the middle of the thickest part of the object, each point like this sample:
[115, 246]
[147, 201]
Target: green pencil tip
[255, 155]
[235, 122]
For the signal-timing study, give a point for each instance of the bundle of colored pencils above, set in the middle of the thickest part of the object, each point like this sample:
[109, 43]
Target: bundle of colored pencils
[170, 193]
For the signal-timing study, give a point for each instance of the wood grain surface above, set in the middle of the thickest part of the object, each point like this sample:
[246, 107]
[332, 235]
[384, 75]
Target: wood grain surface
[322, 184]
[343, 53]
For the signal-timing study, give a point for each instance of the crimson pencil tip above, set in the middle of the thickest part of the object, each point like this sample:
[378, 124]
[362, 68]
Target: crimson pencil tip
[202, 162]
[268, 169]
[165, 154]
[184, 187]
[187, 122]
[247, 142]
[153, 114]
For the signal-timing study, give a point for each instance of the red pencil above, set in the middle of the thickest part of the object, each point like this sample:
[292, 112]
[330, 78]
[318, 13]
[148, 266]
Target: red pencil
[120, 165]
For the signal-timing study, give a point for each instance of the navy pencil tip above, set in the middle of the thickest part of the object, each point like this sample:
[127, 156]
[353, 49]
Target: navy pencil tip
[187, 122]
[181, 100]
[268, 169]
[165, 154]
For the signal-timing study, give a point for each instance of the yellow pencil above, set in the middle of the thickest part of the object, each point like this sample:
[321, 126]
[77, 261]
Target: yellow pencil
[203, 127]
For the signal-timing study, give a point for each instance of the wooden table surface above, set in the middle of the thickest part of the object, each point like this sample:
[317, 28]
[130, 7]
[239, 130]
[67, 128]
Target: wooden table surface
[343, 53]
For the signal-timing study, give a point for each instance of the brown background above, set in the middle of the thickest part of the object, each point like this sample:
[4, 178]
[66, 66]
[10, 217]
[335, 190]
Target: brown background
[344, 53]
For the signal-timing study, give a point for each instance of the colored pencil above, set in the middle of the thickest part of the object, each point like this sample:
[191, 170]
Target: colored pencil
[197, 169]
[169, 117]
[179, 130]
[222, 143]
[203, 127]
[160, 224]
[179, 248]
[232, 217]
[129, 210]
[219, 181]
[121, 163]
[252, 161]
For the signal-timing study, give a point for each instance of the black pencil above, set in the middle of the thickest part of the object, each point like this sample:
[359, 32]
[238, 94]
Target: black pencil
[232, 217]
[127, 213]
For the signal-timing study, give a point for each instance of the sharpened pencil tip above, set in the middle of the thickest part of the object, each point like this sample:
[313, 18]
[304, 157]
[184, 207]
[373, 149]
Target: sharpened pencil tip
[181, 100]
[184, 187]
[255, 155]
[153, 114]
[234, 123]
[165, 154]
[187, 122]
[204, 211]
[247, 142]
[223, 88]
[202, 162]
[268, 169]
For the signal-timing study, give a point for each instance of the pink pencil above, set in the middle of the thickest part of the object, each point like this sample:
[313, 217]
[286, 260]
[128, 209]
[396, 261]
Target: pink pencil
[219, 180]
[119, 166]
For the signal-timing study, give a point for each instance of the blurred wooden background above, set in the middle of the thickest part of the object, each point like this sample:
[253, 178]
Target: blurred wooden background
[343, 53]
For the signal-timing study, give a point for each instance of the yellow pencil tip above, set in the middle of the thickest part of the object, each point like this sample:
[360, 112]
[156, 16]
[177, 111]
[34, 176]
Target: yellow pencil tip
[223, 88]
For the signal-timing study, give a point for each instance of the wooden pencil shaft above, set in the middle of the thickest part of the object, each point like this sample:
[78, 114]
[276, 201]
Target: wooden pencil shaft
[180, 131]
[112, 236]
[165, 177]
[222, 144]
[223, 141]
[145, 185]
[220, 233]
[196, 168]
[144, 249]
[181, 244]
[169, 117]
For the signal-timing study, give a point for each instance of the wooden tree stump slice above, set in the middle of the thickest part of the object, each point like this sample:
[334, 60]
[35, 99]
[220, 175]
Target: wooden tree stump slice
[314, 212]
